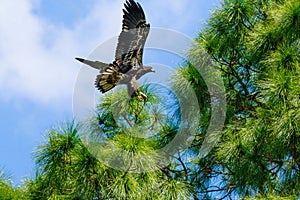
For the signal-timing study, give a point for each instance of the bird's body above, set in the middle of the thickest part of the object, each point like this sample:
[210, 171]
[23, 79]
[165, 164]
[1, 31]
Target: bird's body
[127, 67]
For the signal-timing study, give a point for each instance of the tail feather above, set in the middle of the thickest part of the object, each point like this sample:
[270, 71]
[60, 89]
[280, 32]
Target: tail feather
[94, 64]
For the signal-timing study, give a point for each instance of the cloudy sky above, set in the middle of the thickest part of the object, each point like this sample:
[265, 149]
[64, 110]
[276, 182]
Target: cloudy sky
[38, 42]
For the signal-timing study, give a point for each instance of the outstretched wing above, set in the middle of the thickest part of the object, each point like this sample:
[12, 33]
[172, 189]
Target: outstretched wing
[132, 39]
[129, 50]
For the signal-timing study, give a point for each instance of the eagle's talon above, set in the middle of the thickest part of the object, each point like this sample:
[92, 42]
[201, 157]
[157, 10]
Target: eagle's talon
[142, 96]
[139, 95]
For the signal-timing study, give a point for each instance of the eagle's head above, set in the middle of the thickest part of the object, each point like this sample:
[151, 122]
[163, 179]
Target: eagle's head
[148, 69]
[144, 70]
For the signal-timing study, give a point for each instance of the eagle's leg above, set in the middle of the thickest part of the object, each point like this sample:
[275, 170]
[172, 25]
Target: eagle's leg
[136, 92]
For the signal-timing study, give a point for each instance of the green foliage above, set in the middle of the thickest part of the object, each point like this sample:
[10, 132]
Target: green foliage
[75, 162]
[7, 191]
[254, 46]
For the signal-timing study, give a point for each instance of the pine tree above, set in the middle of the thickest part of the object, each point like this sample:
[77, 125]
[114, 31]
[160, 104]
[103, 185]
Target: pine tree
[109, 156]
[255, 46]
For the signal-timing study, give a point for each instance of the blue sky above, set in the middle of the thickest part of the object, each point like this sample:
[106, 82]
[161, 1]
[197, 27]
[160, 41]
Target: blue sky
[38, 42]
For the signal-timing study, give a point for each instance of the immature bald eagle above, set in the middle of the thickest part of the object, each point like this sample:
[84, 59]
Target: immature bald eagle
[127, 67]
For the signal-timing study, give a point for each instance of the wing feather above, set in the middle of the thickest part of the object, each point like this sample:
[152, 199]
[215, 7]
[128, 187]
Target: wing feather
[109, 78]
[134, 33]
[129, 50]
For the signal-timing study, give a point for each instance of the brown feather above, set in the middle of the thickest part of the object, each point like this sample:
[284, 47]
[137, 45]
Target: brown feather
[128, 66]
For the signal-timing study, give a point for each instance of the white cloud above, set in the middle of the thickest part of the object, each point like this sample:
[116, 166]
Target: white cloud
[28, 68]
[37, 57]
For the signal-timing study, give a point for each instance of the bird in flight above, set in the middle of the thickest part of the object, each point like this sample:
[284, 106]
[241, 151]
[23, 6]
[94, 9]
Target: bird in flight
[128, 66]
